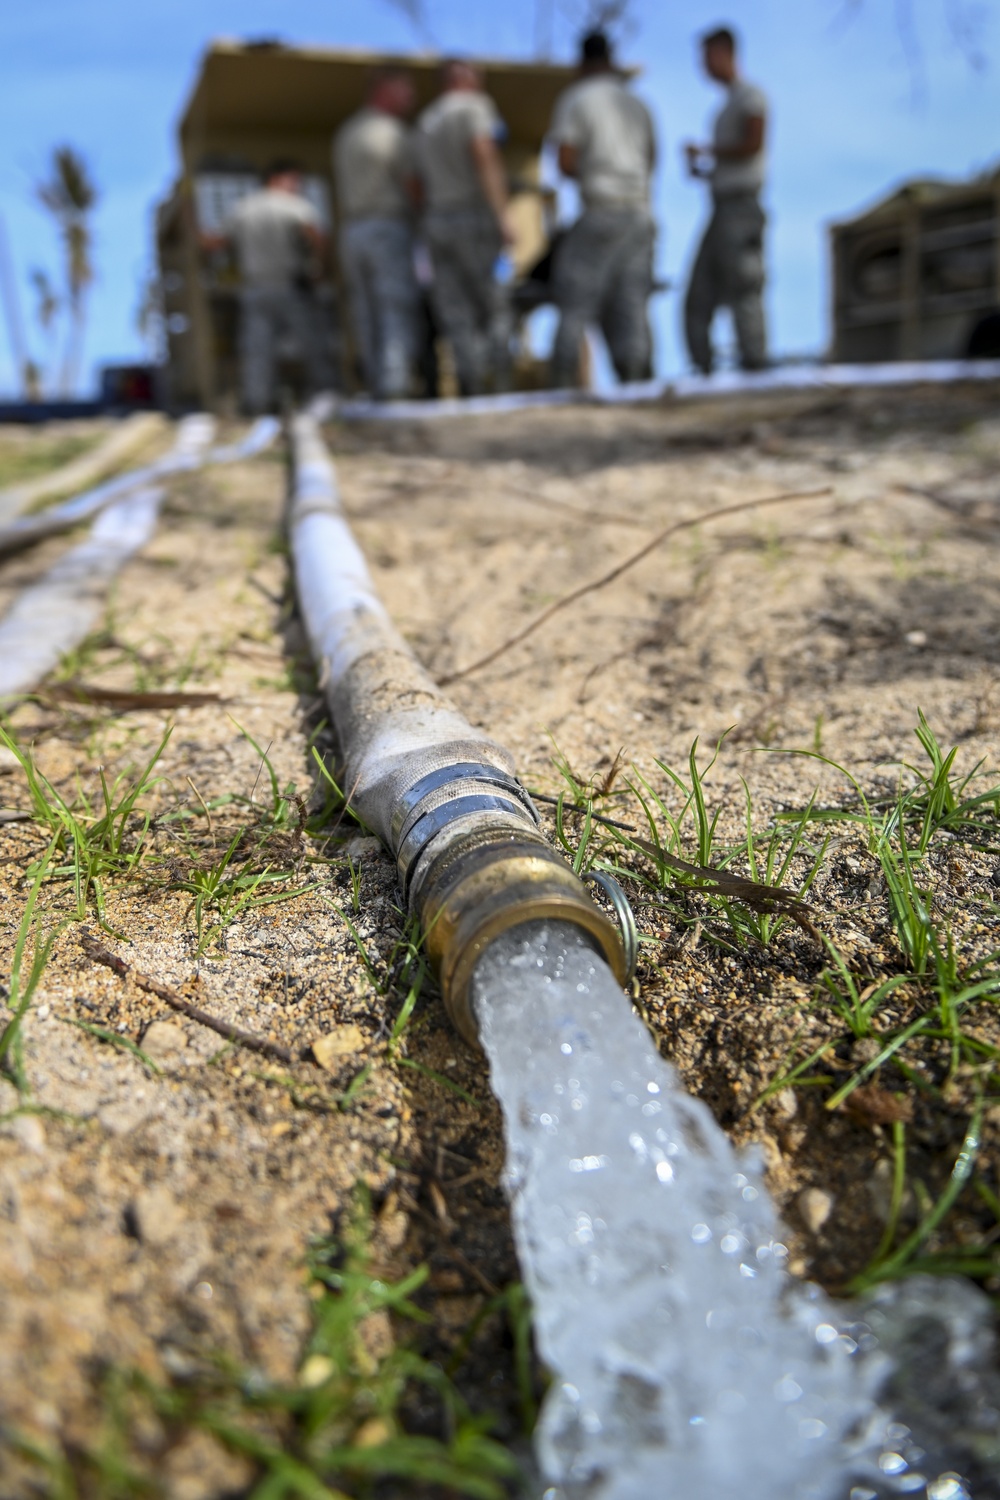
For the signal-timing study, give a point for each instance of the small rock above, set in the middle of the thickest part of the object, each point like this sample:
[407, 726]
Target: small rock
[330, 1050]
[8, 760]
[164, 1042]
[916, 638]
[865, 1050]
[315, 1370]
[156, 1215]
[786, 1104]
[771, 1152]
[30, 1131]
[373, 1433]
[361, 845]
[815, 1207]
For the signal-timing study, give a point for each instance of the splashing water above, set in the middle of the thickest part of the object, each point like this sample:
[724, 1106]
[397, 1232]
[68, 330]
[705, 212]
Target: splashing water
[686, 1361]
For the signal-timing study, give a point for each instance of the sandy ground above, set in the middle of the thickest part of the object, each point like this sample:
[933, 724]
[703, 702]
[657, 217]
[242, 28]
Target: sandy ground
[153, 1219]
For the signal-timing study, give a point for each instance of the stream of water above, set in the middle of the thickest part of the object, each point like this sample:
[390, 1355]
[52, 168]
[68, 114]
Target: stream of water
[686, 1361]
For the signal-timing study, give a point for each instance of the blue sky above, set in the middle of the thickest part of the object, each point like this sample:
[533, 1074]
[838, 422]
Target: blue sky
[851, 116]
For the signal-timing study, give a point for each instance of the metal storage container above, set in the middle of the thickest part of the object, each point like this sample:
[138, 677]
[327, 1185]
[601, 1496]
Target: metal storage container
[914, 275]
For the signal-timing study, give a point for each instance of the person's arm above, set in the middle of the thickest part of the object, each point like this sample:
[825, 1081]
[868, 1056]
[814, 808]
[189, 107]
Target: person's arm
[413, 187]
[569, 159]
[410, 175]
[751, 142]
[315, 238]
[213, 242]
[492, 179]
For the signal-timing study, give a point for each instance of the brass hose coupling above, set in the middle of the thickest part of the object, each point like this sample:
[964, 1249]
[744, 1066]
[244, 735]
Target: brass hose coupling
[484, 882]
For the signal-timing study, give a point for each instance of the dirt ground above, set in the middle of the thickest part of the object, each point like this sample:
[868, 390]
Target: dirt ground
[157, 1207]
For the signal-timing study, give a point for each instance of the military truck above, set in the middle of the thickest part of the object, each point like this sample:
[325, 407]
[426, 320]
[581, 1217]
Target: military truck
[255, 101]
[916, 276]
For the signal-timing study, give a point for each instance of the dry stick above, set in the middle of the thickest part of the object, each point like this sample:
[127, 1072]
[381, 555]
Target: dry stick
[85, 692]
[622, 567]
[165, 992]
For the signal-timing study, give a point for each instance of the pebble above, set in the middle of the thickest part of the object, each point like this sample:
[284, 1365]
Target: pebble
[373, 1433]
[786, 1104]
[156, 1215]
[30, 1131]
[360, 845]
[331, 1049]
[815, 1207]
[771, 1151]
[164, 1042]
[916, 638]
[315, 1370]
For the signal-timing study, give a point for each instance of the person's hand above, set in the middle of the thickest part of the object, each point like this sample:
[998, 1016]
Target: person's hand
[693, 153]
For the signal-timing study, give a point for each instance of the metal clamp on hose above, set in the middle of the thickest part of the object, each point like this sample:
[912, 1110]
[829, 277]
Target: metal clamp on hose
[444, 796]
[409, 803]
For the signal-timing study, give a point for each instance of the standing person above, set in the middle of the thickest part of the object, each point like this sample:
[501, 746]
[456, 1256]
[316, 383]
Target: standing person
[466, 226]
[729, 267]
[278, 240]
[377, 190]
[603, 268]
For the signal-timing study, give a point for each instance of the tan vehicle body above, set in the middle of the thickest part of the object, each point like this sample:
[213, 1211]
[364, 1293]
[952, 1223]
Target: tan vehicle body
[254, 102]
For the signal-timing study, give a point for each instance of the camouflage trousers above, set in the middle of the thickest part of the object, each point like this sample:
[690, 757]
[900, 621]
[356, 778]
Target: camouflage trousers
[471, 308]
[278, 322]
[729, 272]
[377, 260]
[603, 275]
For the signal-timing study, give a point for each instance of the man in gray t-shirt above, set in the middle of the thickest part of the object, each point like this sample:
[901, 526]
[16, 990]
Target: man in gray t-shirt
[466, 226]
[603, 267]
[374, 162]
[277, 238]
[729, 267]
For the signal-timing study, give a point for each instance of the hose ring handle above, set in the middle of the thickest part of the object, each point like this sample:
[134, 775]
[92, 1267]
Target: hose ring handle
[625, 915]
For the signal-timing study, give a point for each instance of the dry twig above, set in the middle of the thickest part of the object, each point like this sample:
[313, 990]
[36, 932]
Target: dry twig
[622, 567]
[121, 698]
[101, 955]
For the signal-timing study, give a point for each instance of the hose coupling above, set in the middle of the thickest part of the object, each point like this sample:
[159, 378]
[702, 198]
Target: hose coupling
[485, 881]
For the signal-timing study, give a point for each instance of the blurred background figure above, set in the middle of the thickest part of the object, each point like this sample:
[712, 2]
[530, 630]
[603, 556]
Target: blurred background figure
[729, 267]
[466, 227]
[378, 192]
[603, 268]
[277, 239]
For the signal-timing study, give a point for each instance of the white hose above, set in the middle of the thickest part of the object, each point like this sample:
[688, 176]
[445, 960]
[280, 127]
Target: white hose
[190, 452]
[394, 725]
[441, 795]
[724, 383]
[122, 441]
[54, 615]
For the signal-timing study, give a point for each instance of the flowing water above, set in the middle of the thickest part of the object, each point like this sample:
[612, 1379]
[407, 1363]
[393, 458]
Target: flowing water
[687, 1362]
